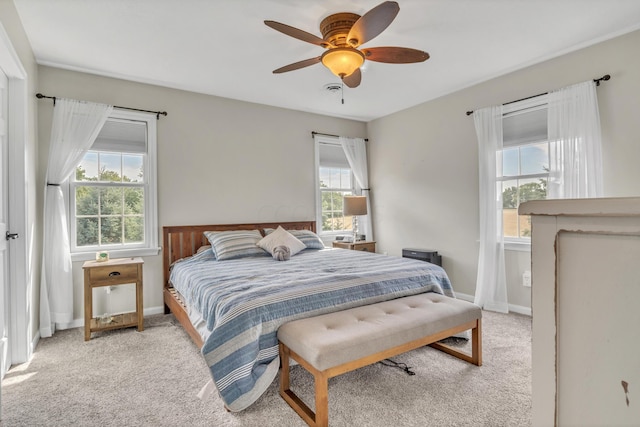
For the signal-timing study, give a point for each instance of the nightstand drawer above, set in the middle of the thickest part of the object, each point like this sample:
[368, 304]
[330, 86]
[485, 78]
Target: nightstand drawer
[113, 273]
[367, 247]
[362, 245]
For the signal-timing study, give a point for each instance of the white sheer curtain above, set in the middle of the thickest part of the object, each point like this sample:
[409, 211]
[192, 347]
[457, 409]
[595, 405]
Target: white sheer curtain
[355, 150]
[491, 283]
[76, 125]
[575, 146]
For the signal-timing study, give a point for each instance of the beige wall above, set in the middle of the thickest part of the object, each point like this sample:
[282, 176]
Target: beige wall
[13, 27]
[423, 161]
[219, 160]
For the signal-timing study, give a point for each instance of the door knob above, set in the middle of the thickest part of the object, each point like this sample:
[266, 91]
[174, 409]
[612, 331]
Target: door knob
[11, 236]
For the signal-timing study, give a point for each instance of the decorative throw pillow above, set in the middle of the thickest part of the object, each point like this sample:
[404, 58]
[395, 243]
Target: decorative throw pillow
[281, 237]
[235, 244]
[281, 253]
[308, 237]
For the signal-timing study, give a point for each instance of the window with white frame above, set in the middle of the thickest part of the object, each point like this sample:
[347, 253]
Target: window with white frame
[112, 196]
[335, 180]
[525, 164]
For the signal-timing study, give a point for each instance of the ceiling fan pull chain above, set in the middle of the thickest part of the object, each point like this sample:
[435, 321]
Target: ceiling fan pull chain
[342, 91]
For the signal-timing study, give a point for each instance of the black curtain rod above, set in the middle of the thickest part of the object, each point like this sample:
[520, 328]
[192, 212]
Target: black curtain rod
[597, 82]
[157, 113]
[314, 133]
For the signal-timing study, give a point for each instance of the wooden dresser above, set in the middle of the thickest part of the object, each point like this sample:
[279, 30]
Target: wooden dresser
[585, 257]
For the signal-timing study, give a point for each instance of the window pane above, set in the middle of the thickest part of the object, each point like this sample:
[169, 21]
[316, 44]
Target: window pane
[324, 177]
[334, 180]
[110, 167]
[111, 230]
[532, 189]
[87, 200]
[525, 226]
[529, 189]
[510, 208]
[133, 201]
[133, 229]
[87, 170]
[86, 231]
[534, 158]
[338, 201]
[326, 201]
[345, 178]
[326, 221]
[510, 194]
[111, 201]
[510, 162]
[332, 217]
[132, 168]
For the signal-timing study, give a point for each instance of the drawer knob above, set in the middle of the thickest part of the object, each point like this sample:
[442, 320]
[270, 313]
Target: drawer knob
[114, 273]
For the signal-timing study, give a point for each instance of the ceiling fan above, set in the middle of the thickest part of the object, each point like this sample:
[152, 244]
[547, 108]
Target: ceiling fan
[342, 34]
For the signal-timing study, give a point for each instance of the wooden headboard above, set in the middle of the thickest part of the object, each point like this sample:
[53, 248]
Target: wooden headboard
[181, 241]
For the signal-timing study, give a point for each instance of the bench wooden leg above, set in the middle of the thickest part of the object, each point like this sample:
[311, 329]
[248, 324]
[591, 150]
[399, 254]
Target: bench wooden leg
[284, 370]
[294, 401]
[476, 346]
[322, 399]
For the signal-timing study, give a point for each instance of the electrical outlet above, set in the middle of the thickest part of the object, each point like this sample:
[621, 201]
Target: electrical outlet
[526, 279]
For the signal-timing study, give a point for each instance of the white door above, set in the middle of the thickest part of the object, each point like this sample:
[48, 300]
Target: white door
[5, 354]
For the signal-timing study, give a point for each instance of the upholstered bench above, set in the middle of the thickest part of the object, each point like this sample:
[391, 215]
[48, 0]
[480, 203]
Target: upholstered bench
[332, 344]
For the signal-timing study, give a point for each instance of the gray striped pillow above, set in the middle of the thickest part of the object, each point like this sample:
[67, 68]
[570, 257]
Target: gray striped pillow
[308, 237]
[235, 244]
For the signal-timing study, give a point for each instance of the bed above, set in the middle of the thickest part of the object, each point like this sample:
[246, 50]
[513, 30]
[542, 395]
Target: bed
[232, 307]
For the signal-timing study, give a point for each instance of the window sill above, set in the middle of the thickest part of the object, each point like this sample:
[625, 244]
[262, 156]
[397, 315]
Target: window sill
[517, 246]
[121, 253]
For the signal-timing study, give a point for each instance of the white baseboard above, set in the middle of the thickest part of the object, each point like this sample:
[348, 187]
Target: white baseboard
[78, 323]
[520, 309]
[464, 297]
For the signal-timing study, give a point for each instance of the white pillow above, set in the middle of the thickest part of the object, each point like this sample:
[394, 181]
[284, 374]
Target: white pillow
[281, 237]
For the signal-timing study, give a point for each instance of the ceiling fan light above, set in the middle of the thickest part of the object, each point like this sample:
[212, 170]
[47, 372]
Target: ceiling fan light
[343, 61]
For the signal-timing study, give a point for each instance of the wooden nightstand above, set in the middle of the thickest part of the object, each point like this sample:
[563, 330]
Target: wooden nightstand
[111, 273]
[367, 246]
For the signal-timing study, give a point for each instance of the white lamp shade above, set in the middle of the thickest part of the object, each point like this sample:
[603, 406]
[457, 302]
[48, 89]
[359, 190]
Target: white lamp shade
[354, 205]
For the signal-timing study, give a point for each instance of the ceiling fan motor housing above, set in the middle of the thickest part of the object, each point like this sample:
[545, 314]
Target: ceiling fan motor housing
[335, 28]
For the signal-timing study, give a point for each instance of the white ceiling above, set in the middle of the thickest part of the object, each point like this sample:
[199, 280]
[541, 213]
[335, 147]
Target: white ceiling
[223, 48]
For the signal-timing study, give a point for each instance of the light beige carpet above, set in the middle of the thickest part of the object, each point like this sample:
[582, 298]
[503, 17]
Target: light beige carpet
[128, 378]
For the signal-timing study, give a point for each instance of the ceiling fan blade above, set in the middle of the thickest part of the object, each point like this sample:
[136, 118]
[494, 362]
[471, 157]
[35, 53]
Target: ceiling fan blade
[353, 79]
[395, 55]
[372, 23]
[296, 33]
[297, 65]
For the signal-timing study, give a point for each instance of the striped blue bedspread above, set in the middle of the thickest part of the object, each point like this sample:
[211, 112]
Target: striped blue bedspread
[244, 301]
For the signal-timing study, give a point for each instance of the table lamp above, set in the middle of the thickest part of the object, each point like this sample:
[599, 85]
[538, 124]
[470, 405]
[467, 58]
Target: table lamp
[354, 206]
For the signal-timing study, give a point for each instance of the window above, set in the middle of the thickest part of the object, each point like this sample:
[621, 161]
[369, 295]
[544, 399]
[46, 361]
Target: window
[112, 197]
[525, 164]
[335, 181]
